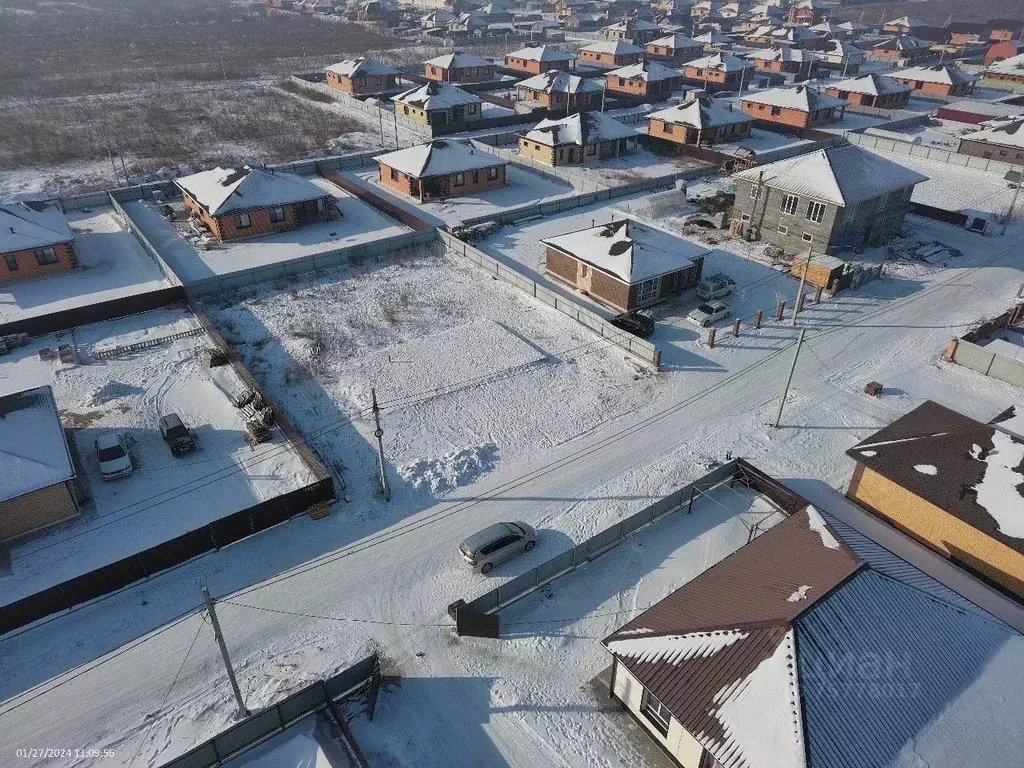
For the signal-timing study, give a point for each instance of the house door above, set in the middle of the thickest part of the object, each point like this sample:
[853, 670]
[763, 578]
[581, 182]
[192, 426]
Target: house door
[414, 187]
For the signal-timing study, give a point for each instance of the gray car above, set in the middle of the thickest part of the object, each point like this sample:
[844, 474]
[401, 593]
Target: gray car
[496, 544]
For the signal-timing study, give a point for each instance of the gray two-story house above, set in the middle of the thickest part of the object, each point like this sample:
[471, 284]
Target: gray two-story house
[825, 201]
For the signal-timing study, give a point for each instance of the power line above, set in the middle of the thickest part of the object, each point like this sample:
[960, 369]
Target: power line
[224, 601]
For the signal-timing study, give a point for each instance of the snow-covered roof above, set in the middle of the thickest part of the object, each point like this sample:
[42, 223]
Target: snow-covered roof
[853, 26]
[26, 226]
[1011, 66]
[647, 71]
[944, 74]
[702, 112]
[440, 16]
[871, 84]
[436, 96]
[826, 28]
[713, 38]
[33, 447]
[230, 190]
[843, 175]
[676, 42]
[580, 129]
[784, 54]
[440, 157]
[628, 250]
[720, 62]
[800, 97]
[362, 67]
[542, 53]
[906, 21]
[845, 50]
[615, 47]
[633, 25]
[1006, 133]
[556, 81]
[903, 43]
[783, 34]
[458, 60]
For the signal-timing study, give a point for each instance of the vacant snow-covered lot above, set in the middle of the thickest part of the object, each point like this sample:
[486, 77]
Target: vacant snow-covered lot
[165, 496]
[112, 264]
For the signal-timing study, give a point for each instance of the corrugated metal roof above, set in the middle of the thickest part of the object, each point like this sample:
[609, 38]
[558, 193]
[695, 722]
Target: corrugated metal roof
[230, 190]
[440, 157]
[34, 451]
[580, 129]
[24, 227]
[702, 112]
[555, 81]
[800, 98]
[436, 96]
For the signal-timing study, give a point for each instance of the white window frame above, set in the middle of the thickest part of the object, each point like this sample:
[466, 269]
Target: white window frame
[744, 217]
[274, 218]
[655, 712]
[460, 180]
[46, 256]
[816, 211]
[783, 229]
[243, 217]
[807, 237]
[790, 205]
[647, 290]
[492, 173]
[755, 192]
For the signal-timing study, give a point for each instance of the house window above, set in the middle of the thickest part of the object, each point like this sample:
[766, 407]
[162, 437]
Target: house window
[807, 237]
[46, 256]
[591, 149]
[476, 177]
[815, 211]
[460, 179]
[242, 221]
[277, 215]
[783, 229]
[789, 204]
[647, 291]
[776, 111]
[492, 174]
[745, 217]
[755, 192]
[394, 175]
[585, 270]
[666, 127]
[12, 262]
[655, 712]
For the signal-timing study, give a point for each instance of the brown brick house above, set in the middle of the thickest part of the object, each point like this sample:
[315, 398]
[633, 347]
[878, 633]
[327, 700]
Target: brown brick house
[35, 241]
[786, 60]
[646, 80]
[633, 30]
[937, 80]
[362, 77]
[610, 54]
[36, 484]
[560, 90]
[700, 121]
[840, 56]
[905, 48]
[1001, 140]
[673, 49]
[439, 104]
[1001, 51]
[798, 107]
[543, 58]
[769, 36]
[458, 67]
[440, 169]
[1009, 71]
[624, 265]
[585, 138]
[872, 90]
[236, 203]
[805, 13]
[718, 72]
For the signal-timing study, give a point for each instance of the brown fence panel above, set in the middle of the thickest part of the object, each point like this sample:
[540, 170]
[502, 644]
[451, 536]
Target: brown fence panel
[470, 624]
[176, 551]
[94, 313]
[32, 608]
[232, 528]
[101, 581]
[939, 214]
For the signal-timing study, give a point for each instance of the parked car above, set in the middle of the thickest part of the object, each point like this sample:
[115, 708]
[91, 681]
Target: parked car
[716, 286]
[706, 314]
[632, 322]
[177, 436]
[113, 457]
[496, 544]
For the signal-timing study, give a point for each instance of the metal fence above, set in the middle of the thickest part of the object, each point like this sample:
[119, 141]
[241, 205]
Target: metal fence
[966, 352]
[254, 730]
[930, 153]
[148, 247]
[637, 347]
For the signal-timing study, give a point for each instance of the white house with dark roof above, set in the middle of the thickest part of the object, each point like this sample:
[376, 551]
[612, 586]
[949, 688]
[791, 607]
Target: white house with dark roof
[35, 241]
[699, 121]
[585, 138]
[560, 90]
[438, 104]
[440, 169]
[362, 77]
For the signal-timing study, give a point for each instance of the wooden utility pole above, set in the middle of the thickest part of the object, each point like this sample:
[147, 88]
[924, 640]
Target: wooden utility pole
[242, 709]
[789, 379]
[800, 291]
[379, 434]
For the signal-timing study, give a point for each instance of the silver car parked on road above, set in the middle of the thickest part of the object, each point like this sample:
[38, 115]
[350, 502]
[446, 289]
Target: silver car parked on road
[496, 544]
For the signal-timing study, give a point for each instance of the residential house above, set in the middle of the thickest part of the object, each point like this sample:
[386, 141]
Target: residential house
[560, 90]
[468, 24]
[718, 72]
[379, 11]
[35, 241]
[814, 646]
[584, 21]
[610, 54]
[805, 13]
[673, 49]
[1000, 30]
[236, 203]
[854, 29]
[439, 104]
[936, 80]
[540, 59]
[786, 60]
[1003, 50]
[952, 483]
[1002, 140]
[496, 14]
[585, 138]
[440, 169]
[792, 37]
[635, 31]
[978, 111]
[829, 30]
[841, 56]
[799, 107]
[362, 77]
[904, 49]
[904, 25]
[699, 121]
[705, 8]
[438, 19]
[647, 80]
[36, 486]
[624, 264]
[1006, 72]
[714, 42]
[564, 8]
[967, 33]
[459, 67]
[826, 200]
[871, 90]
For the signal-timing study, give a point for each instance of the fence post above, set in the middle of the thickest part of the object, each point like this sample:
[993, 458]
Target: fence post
[693, 492]
[817, 294]
[780, 308]
[950, 355]
[799, 304]
[711, 338]
[736, 327]
[757, 319]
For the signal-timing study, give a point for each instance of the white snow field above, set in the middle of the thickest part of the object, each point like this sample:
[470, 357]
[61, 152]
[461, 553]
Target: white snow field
[316, 595]
[112, 264]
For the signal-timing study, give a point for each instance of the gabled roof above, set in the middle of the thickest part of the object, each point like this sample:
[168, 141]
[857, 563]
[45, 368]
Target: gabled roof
[440, 157]
[555, 81]
[906, 21]
[844, 49]
[713, 38]
[633, 25]
[784, 54]
[842, 175]
[871, 84]
[801, 97]
[615, 47]
[702, 112]
[720, 62]
[903, 43]
[362, 67]
[1005, 133]
[579, 129]
[853, 26]
[33, 447]
[26, 226]
[826, 28]
[628, 250]
[1011, 66]
[231, 190]
[436, 96]
[647, 71]
[440, 16]
[542, 53]
[675, 42]
[944, 74]
[458, 60]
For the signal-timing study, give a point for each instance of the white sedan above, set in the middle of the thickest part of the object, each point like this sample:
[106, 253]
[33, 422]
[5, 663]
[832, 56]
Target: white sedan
[113, 457]
[706, 314]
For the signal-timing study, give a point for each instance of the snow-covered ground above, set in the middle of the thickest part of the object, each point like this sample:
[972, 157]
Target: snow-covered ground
[360, 223]
[634, 166]
[112, 265]
[165, 496]
[305, 744]
[762, 142]
[521, 188]
[853, 121]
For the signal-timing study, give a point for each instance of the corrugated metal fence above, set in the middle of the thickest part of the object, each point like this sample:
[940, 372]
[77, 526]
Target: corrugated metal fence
[930, 153]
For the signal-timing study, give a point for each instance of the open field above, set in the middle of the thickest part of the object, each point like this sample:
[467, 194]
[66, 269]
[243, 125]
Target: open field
[935, 12]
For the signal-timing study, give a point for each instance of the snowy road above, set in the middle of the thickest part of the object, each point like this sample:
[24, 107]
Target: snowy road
[151, 699]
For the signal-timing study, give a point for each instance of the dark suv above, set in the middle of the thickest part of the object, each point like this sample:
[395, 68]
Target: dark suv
[176, 435]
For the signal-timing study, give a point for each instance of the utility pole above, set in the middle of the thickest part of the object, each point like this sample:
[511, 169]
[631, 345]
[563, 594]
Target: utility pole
[800, 290]
[380, 115]
[789, 379]
[242, 709]
[379, 434]
[1013, 202]
[395, 113]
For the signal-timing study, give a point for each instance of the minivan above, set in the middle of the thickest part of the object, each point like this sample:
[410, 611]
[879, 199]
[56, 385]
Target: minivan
[496, 544]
